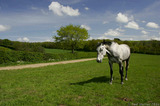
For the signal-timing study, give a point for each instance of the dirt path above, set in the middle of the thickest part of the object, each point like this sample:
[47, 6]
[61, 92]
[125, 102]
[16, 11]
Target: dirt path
[43, 64]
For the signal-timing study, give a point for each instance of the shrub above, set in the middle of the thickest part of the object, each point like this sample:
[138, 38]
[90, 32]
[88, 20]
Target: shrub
[9, 56]
[32, 56]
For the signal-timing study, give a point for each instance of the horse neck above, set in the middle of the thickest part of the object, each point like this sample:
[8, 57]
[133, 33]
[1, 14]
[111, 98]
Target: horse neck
[114, 45]
[113, 48]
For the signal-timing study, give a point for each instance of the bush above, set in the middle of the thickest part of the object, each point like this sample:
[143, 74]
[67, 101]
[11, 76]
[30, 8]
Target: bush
[32, 56]
[9, 56]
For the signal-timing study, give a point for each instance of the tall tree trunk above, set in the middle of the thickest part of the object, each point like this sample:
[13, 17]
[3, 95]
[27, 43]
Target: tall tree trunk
[72, 48]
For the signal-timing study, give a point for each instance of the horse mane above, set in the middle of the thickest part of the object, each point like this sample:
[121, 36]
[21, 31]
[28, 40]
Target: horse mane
[107, 43]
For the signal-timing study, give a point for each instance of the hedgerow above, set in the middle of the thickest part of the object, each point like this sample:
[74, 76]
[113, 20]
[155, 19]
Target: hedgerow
[14, 56]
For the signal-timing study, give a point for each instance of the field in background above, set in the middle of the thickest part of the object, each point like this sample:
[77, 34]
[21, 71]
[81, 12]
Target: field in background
[85, 83]
[56, 51]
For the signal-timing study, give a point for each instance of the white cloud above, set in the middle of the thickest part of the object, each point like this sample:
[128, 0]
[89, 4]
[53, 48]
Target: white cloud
[44, 12]
[38, 9]
[132, 25]
[19, 39]
[61, 10]
[24, 39]
[4, 28]
[144, 32]
[34, 8]
[156, 38]
[86, 27]
[143, 21]
[122, 18]
[105, 22]
[90, 38]
[56, 8]
[103, 37]
[152, 25]
[120, 30]
[86, 8]
[116, 32]
[48, 40]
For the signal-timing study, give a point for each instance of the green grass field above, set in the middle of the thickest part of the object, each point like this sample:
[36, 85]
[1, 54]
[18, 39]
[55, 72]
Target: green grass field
[56, 51]
[83, 84]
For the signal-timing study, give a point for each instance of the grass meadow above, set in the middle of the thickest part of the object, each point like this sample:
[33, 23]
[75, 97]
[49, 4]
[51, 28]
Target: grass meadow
[56, 51]
[83, 84]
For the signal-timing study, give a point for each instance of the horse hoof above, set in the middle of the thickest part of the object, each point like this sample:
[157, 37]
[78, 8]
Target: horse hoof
[126, 79]
[110, 83]
[122, 83]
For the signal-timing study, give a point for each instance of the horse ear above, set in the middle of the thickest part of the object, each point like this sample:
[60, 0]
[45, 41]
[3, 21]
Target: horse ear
[104, 42]
[108, 43]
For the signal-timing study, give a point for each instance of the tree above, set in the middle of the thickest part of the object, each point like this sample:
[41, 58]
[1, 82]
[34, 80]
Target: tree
[72, 36]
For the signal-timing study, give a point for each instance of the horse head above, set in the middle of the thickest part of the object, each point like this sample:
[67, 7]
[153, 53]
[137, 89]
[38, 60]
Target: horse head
[102, 49]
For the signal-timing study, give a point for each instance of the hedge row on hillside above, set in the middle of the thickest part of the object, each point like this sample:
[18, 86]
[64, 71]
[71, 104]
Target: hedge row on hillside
[22, 46]
[15, 56]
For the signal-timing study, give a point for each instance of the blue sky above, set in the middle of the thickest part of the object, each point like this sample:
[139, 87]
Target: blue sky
[38, 20]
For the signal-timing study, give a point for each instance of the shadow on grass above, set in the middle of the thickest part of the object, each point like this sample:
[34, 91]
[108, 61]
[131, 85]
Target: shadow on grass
[101, 79]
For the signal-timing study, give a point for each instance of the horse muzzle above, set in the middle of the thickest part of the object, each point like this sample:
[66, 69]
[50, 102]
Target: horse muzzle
[99, 61]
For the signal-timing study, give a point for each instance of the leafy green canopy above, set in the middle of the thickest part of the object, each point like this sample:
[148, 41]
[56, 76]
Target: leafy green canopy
[71, 35]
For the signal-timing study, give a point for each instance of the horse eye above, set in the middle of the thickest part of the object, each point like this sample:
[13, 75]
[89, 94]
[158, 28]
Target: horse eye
[100, 50]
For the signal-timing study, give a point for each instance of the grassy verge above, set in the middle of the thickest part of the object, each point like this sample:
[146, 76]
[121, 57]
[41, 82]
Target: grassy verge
[84, 84]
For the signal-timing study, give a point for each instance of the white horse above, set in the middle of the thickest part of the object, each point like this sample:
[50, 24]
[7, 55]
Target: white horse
[116, 54]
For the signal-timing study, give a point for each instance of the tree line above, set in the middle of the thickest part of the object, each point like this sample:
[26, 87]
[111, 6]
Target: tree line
[146, 47]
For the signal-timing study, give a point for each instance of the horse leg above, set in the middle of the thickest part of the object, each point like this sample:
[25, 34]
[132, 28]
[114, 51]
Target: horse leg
[127, 64]
[111, 71]
[121, 71]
